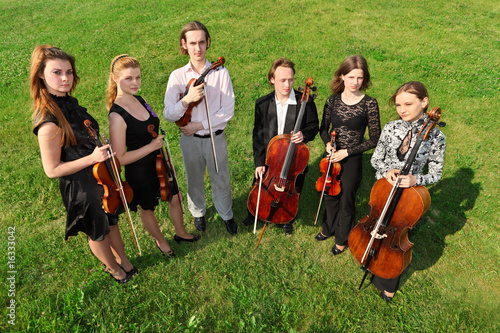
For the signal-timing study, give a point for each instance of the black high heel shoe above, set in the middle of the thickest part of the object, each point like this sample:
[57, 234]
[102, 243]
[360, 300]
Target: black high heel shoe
[384, 296]
[336, 251]
[179, 239]
[126, 279]
[133, 271]
[169, 255]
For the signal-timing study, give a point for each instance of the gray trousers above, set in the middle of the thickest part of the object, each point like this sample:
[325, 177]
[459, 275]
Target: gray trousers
[197, 156]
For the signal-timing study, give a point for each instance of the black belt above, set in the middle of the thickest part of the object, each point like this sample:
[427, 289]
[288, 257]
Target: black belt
[206, 136]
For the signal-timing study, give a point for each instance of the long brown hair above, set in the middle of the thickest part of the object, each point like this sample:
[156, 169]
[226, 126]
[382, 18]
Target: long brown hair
[43, 103]
[416, 88]
[192, 26]
[350, 63]
[118, 64]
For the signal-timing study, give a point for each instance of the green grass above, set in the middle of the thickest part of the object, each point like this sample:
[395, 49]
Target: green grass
[289, 284]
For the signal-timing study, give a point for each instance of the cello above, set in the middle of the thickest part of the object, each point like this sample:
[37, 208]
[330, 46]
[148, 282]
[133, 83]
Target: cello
[107, 174]
[165, 170]
[329, 181]
[285, 160]
[379, 242]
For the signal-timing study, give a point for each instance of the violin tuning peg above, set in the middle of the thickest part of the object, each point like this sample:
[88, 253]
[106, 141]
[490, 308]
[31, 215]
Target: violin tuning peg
[300, 89]
[314, 88]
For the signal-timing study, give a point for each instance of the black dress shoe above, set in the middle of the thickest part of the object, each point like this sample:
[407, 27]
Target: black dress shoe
[199, 223]
[179, 239]
[320, 237]
[288, 228]
[249, 220]
[231, 226]
[336, 251]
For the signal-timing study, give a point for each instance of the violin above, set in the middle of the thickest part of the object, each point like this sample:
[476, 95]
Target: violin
[165, 170]
[329, 181]
[186, 118]
[379, 241]
[117, 193]
[285, 160]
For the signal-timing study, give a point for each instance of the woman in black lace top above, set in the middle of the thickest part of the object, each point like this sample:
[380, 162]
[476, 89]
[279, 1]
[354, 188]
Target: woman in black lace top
[348, 111]
[69, 154]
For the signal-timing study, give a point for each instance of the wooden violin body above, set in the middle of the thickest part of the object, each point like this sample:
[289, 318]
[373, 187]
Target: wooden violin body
[393, 250]
[111, 200]
[279, 198]
[330, 176]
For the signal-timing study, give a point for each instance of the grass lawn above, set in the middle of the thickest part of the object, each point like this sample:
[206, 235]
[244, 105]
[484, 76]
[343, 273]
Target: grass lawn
[222, 283]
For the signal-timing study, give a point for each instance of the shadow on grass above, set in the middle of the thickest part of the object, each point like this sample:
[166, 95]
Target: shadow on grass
[451, 199]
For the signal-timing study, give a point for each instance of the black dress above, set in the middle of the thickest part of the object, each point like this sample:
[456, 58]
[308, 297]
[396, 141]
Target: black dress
[141, 175]
[81, 194]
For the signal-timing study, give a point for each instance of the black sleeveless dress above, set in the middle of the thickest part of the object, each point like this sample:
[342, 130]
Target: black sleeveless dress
[81, 194]
[141, 175]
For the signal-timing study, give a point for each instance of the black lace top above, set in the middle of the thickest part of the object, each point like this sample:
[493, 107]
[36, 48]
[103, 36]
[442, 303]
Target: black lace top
[350, 122]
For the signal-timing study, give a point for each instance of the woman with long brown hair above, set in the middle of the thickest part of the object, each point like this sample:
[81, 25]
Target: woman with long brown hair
[69, 153]
[349, 112]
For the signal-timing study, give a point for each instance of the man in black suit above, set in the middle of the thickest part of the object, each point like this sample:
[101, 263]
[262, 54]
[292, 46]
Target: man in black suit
[275, 114]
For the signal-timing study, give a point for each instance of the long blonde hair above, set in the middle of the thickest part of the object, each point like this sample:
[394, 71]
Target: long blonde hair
[43, 103]
[118, 64]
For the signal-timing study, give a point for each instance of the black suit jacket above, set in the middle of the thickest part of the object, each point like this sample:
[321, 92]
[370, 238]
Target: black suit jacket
[266, 123]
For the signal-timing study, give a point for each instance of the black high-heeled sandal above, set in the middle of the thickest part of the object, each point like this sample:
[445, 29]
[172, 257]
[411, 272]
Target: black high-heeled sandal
[133, 271]
[384, 296]
[169, 255]
[126, 279]
[179, 239]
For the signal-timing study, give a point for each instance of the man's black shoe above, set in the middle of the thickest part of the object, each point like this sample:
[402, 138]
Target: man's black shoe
[249, 220]
[199, 223]
[231, 226]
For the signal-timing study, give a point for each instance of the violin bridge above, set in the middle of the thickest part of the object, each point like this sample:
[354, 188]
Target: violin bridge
[377, 235]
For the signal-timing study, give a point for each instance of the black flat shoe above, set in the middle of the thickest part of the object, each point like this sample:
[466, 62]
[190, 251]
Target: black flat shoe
[132, 272]
[179, 239]
[169, 255]
[288, 228]
[199, 223]
[126, 279]
[231, 226]
[384, 296]
[336, 251]
[320, 237]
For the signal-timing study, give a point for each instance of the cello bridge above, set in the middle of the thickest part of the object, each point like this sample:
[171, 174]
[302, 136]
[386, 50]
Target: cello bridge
[377, 235]
[279, 188]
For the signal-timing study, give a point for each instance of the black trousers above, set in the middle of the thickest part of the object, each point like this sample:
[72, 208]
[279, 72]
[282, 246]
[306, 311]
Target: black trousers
[340, 210]
[389, 285]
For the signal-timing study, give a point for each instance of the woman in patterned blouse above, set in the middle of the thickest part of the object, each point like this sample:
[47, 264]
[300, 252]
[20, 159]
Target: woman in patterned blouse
[348, 111]
[394, 147]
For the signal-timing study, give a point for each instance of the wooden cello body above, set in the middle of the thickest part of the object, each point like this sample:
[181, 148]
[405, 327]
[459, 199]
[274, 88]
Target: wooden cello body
[279, 201]
[379, 242]
[392, 251]
[285, 160]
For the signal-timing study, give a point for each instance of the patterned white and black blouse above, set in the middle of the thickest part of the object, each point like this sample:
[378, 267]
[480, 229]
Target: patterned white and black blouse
[390, 152]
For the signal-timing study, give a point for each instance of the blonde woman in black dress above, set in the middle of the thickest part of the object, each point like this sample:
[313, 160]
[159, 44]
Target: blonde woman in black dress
[135, 147]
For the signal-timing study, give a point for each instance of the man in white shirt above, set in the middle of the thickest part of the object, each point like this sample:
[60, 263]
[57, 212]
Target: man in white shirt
[217, 94]
[276, 114]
